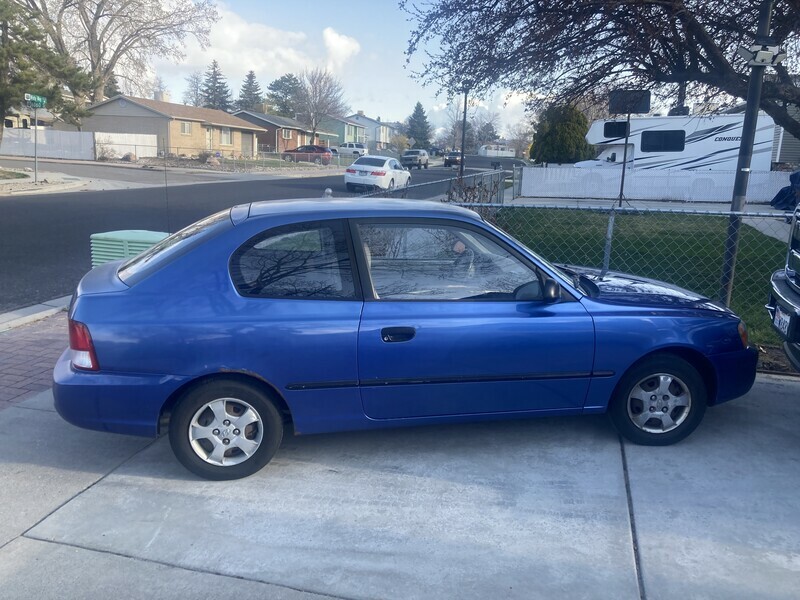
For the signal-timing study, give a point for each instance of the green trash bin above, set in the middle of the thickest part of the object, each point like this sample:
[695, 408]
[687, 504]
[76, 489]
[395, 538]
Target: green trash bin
[114, 245]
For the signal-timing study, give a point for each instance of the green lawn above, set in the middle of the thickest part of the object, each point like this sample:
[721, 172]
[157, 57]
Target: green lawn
[12, 175]
[682, 249]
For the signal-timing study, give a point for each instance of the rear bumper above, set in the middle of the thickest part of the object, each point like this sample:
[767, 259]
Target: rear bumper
[117, 403]
[736, 373]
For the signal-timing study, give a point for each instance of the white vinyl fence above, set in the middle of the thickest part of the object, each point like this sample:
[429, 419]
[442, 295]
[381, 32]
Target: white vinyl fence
[76, 145]
[50, 143]
[647, 184]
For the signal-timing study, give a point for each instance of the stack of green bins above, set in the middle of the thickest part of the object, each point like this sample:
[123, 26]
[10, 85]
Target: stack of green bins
[114, 245]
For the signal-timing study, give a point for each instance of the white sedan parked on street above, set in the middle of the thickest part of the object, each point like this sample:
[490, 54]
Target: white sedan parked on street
[381, 172]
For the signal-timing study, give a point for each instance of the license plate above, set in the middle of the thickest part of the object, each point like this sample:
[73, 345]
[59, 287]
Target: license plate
[362, 173]
[781, 320]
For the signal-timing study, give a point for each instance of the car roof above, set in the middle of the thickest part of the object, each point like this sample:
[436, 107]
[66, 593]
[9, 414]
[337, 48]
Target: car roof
[318, 208]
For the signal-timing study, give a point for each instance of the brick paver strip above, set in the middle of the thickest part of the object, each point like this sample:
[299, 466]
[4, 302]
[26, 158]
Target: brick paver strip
[27, 357]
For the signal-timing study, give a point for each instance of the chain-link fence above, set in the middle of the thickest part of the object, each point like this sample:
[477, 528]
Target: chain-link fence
[487, 187]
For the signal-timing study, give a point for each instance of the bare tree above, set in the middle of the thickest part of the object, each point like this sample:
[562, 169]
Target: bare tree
[321, 94]
[120, 36]
[485, 123]
[520, 136]
[574, 50]
[193, 94]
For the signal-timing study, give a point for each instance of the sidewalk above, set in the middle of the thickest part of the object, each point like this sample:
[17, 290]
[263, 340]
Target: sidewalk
[27, 356]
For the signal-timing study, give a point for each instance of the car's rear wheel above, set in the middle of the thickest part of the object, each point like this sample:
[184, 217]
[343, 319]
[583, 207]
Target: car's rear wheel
[659, 401]
[391, 185]
[225, 429]
[426, 165]
[288, 158]
[350, 187]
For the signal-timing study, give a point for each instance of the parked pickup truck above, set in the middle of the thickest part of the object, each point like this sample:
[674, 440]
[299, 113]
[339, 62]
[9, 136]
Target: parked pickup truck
[414, 158]
[784, 301]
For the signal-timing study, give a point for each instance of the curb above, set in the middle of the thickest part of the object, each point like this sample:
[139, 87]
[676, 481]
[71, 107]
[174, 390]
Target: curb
[29, 314]
[56, 188]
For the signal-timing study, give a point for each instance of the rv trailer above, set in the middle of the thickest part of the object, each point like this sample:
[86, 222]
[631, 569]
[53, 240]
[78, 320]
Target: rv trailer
[694, 143]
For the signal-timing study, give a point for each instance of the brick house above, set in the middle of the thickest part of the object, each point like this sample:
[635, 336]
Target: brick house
[180, 129]
[283, 133]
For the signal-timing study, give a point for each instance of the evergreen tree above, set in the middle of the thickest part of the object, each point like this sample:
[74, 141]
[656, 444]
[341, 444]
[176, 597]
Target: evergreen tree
[419, 128]
[561, 136]
[27, 65]
[112, 87]
[215, 91]
[284, 95]
[250, 96]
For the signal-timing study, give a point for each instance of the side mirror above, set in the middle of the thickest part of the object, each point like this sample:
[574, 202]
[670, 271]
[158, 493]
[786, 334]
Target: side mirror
[551, 291]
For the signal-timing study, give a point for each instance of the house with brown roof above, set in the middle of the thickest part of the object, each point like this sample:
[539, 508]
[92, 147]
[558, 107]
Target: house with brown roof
[285, 133]
[180, 129]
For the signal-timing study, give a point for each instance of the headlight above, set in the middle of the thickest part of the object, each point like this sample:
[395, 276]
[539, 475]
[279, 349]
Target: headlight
[743, 334]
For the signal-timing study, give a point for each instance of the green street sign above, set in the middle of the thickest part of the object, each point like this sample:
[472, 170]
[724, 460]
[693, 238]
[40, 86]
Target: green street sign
[35, 101]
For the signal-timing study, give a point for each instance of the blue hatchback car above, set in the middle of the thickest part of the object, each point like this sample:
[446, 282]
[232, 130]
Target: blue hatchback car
[332, 315]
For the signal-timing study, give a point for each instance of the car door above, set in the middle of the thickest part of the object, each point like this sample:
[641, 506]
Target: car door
[297, 317]
[401, 176]
[457, 324]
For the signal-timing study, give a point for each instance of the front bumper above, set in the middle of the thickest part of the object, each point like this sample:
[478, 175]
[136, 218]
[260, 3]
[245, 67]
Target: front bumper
[113, 402]
[784, 312]
[736, 373]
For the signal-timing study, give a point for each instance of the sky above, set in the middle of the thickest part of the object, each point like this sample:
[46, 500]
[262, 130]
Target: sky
[362, 42]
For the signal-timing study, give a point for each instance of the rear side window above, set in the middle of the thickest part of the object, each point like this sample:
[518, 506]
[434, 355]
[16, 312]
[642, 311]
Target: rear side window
[173, 246]
[664, 141]
[615, 129]
[310, 260]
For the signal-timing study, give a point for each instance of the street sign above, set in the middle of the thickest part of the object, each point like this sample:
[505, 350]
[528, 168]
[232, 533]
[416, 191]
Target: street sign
[35, 101]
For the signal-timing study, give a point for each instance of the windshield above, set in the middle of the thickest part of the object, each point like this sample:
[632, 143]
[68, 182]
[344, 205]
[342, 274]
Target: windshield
[411, 153]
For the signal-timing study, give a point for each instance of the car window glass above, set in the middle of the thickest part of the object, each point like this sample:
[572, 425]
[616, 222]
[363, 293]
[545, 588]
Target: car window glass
[307, 261]
[439, 262]
[368, 161]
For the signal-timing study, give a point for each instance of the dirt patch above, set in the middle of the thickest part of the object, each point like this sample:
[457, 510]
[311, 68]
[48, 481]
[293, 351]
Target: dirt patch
[4, 174]
[771, 359]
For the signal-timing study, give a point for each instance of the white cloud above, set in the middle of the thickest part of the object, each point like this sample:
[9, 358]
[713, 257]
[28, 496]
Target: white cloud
[340, 47]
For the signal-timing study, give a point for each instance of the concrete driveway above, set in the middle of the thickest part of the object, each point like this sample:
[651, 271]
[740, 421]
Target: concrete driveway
[549, 508]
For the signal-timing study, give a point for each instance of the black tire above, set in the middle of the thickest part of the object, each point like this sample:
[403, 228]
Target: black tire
[391, 185]
[350, 187]
[682, 401]
[288, 158]
[426, 165]
[235, 396]
[317, 161]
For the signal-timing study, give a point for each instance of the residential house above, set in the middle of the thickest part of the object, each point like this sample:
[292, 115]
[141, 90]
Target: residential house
[284, 133]
[345, 129]
[379, 135]
[180, 129]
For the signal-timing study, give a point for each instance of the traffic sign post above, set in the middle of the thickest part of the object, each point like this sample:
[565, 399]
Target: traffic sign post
[35, 102]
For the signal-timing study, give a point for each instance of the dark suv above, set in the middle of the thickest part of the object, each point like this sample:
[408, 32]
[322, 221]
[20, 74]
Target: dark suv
[452, 158]
[784, 301]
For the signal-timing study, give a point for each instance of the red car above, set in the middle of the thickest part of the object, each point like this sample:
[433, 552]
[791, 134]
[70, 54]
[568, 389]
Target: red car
[316, 154]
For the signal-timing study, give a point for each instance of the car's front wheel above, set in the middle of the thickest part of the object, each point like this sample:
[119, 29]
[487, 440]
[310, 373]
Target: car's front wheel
[225, 429]
[659, 401]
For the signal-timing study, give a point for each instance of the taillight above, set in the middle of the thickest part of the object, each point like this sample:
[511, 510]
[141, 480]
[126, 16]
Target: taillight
[82, 355]
[378, 173]
[351, 171]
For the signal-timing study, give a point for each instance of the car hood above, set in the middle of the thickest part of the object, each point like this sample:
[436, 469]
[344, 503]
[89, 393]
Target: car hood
[623, 288]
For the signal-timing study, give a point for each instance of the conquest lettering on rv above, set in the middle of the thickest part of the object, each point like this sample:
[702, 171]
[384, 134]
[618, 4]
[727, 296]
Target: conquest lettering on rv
[727, 139]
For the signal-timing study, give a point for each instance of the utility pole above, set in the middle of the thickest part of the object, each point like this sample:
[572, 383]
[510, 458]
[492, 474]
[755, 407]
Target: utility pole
[759, 56]
[463, 136]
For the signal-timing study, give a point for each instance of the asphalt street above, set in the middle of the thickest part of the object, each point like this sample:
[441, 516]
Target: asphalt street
[44, 239]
